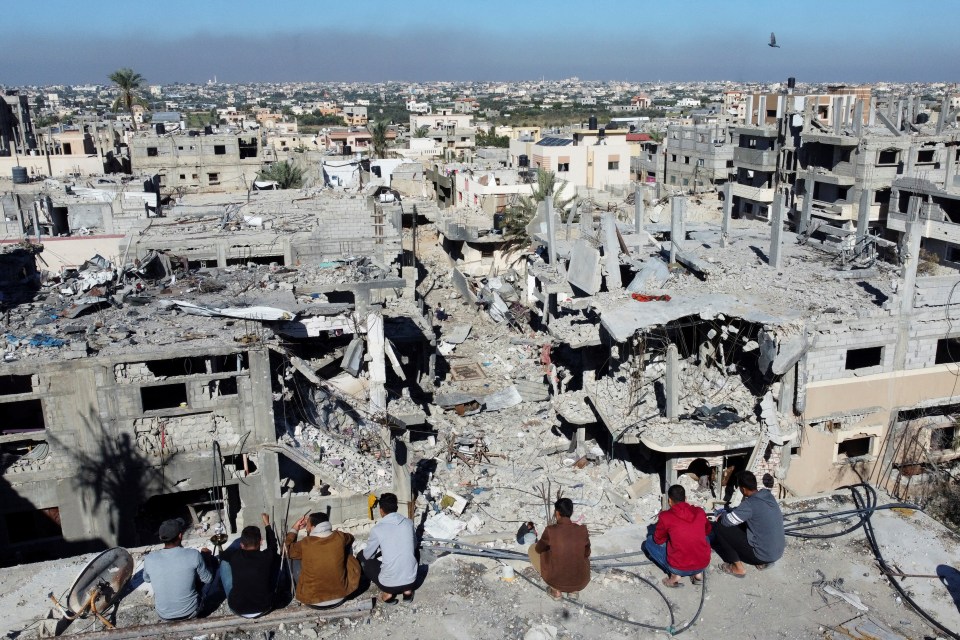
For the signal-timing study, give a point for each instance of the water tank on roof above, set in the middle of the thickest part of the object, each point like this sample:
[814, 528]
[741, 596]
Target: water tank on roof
[19, 175]
[791, 83]
[160, 129]
[523, 161]
[592, 123]
[347, 150]
[207, 130]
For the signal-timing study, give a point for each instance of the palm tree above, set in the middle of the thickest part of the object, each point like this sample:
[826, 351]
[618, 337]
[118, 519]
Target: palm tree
[421, 132]
[379, 142]
[129, 83]
[286, 174]
[520, 213]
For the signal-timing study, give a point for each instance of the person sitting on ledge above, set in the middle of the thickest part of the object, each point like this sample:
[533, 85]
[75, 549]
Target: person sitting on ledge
[323, 566]
[752, 533]
[562, 555]
[679, 544]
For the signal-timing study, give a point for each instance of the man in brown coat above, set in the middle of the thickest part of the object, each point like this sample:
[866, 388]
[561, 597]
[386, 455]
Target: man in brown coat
[562, 555]
[323, 566]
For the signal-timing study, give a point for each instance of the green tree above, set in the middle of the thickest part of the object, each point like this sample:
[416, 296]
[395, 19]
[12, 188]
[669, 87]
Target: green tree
[491, 139]
[130, 83]
[378, 145]
[421, 132]
[521, 212]
[286, 174]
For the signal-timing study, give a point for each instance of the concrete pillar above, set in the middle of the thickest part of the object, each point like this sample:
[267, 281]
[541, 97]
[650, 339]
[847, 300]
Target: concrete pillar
[762, 111]
[776, 231]
[837, 115]
[748, 115]
[377, 365]
[950, 168]
[671, 384]
[788, 387]
[551, 230]
[611, 250]
[911, 154]
[678, 234]
[863, 213]
[872, 118]
[858, 118]
[911, 254]
[399, 459]
[944, 112]
[638, 211]
[910, 257]
[899, 115]
[806, 212]
[727, 213]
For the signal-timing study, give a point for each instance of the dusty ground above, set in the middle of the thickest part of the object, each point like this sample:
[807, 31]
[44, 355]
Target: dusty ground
[465, 598]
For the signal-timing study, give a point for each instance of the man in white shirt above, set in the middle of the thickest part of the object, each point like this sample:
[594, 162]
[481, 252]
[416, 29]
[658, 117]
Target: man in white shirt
[395, 570]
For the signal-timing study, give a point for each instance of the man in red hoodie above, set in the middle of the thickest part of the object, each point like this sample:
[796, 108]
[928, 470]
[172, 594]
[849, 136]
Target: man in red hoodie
[679, 543]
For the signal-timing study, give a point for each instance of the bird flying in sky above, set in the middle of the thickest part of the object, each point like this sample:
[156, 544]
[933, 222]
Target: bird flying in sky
[773, 41]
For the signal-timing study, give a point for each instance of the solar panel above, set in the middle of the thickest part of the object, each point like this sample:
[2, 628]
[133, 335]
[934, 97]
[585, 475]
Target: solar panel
[554, 142]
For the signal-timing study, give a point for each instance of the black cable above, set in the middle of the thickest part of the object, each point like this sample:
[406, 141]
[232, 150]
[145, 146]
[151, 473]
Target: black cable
[885, 568]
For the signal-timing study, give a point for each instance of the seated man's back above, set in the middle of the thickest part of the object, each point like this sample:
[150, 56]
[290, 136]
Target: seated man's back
[253, 571]
[327, 569]
[173, 571]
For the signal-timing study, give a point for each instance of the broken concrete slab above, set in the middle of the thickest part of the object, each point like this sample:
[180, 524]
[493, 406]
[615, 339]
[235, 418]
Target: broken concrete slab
[584, 269]
[457, 333]
[503, 399]
[652, 275]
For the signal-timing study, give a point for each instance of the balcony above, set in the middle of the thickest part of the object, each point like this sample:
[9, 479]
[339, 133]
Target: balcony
[754, 194]
[755, 159]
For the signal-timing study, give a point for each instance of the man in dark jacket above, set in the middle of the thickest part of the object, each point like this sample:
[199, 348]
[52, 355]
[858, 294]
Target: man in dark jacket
[248, 574]
[752, 533]
[679, 543]
[562, 555]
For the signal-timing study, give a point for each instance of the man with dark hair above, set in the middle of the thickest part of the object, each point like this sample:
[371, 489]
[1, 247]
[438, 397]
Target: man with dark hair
[679, 544]
[562, 555]
[323, 565]
[174, 572]
[395, 570]
[752, 533]
[248, 574]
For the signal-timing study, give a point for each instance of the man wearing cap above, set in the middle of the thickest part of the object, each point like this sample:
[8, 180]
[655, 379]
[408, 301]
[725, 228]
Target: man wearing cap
[174, 570]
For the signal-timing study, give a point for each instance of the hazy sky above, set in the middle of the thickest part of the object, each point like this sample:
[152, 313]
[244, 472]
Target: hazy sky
[81, 41]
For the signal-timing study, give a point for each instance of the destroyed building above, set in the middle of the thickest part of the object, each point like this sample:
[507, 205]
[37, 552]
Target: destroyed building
[178, 379]
[195, 161]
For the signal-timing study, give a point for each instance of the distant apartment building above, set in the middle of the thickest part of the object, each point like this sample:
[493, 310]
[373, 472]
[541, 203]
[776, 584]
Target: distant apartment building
[418, 107]
[449, 130]
[589, 159]
[355, 115]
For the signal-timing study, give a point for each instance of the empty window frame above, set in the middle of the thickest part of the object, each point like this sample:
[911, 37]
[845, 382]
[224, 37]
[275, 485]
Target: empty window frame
[948, 350]
[613, 165]
[943, 438]
[888, 156]
[24, 416]
[166, 396]
[12, 385]
[152, 152]
[925, 156]
[863, 358]
[220, 149]
[855, 447]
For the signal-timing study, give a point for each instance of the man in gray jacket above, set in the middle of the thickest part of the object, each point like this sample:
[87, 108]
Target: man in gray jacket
[752, 533]
[175, 572]
[394, 570]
